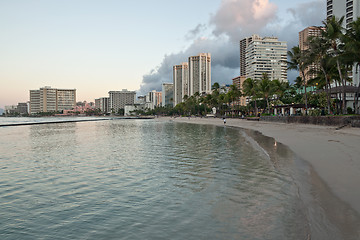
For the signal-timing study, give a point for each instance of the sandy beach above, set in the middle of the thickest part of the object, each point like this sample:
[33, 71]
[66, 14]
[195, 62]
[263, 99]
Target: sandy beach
[334, 154]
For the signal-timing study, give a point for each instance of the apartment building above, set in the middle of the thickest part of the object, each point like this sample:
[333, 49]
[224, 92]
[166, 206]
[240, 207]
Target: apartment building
[266, 55]
[200, 74]
[181, 82]
[167, 94]
[118, 99]
[304, 36]
[49, 99]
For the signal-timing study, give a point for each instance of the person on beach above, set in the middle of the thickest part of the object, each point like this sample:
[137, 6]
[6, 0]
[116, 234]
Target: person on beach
[224, 121]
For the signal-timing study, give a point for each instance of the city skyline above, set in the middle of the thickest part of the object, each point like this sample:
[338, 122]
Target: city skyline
[95, 46]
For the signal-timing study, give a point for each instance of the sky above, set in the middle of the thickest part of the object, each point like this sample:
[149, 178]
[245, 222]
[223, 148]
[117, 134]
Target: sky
[96, 46]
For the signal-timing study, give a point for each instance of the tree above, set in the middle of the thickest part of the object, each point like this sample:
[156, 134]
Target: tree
[249, 88]
[215, 86]
[318, 51]
[266, 88]
[299, 60]
[334, 35]
[233, 94]
[280, 88]
[352, 46]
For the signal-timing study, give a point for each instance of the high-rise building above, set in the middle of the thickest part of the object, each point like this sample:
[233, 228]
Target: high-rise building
[167, 94]
[49, 99]
[118, 99]
[102, 104]
[266, 55]
[66, 99]
[304, 36]
[244, 43]
[181, 82]
[34, 102]
[153, 99]
[350, 10]
[200, 74]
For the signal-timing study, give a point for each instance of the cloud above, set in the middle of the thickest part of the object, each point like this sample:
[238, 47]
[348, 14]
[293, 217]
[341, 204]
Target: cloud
[195, 32]
[303, 15]
[234, 20]
[224, 64]
[240, 18]
[309, 13]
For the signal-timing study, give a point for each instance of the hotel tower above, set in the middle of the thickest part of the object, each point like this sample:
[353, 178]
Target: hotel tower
[181, 82]
[266, 55]
[200, 74]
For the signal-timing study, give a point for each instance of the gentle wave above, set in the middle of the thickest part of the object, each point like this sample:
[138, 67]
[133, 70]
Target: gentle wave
[145, 180]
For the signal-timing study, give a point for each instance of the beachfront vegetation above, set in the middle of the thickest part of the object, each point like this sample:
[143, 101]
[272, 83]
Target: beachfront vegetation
[335, 51]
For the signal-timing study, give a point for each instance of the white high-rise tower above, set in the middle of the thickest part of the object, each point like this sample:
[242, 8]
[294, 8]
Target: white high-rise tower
[200, 74]
[266, 55]
[181, 82]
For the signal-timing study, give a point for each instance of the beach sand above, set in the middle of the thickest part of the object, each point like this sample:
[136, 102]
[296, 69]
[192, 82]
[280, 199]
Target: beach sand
[334, 154]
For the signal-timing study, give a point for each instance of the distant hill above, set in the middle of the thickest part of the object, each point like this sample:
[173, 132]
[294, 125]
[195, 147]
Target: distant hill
[1, 111]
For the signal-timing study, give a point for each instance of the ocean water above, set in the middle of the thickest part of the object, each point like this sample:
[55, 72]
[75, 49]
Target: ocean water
[147, 179]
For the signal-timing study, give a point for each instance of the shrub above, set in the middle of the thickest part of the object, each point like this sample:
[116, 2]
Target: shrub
[314, 112]
[349, 110]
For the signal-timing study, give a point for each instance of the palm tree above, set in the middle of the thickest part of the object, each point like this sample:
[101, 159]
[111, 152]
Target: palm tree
[299, 60]
[352, 46]
[333, 34]
[280, 88]
[266, 89]
[249, 88]
[215, 86]
[233, 94]
[318, 51]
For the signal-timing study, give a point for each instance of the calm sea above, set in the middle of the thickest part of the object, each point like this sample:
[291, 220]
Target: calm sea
[147, 179]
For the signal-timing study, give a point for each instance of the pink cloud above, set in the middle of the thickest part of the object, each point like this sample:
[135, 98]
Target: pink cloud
[239, 18]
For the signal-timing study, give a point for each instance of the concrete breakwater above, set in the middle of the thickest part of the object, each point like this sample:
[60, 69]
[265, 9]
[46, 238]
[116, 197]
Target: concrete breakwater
[340, 121]
[57, 120]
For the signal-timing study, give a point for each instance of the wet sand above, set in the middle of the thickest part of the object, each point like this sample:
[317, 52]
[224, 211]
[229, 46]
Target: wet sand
[334, 154]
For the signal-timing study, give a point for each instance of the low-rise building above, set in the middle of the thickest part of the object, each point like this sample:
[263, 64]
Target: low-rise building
[129, 110]
[49, 99]
[118, 99]
[102, 104]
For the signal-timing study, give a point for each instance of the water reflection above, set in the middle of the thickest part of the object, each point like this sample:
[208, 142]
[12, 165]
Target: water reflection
[153, 180]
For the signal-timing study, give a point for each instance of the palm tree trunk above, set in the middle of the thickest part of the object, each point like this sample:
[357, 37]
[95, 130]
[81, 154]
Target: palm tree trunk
[342, 86]
[327, 84]
[306, 102]
[256, 109]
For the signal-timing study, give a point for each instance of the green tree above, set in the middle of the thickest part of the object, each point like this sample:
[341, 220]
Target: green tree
[352, 52]
[233, 95]
[299, 60]
[266, 88]
[334, 35]
[249, 88]
[215, 86]
[318, 50]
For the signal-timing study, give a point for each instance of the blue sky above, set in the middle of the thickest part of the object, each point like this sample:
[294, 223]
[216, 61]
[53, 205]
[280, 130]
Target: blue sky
[97, 46]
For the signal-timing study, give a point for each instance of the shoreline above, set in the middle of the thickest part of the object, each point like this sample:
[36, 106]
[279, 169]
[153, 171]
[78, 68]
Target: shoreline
[333, 153]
